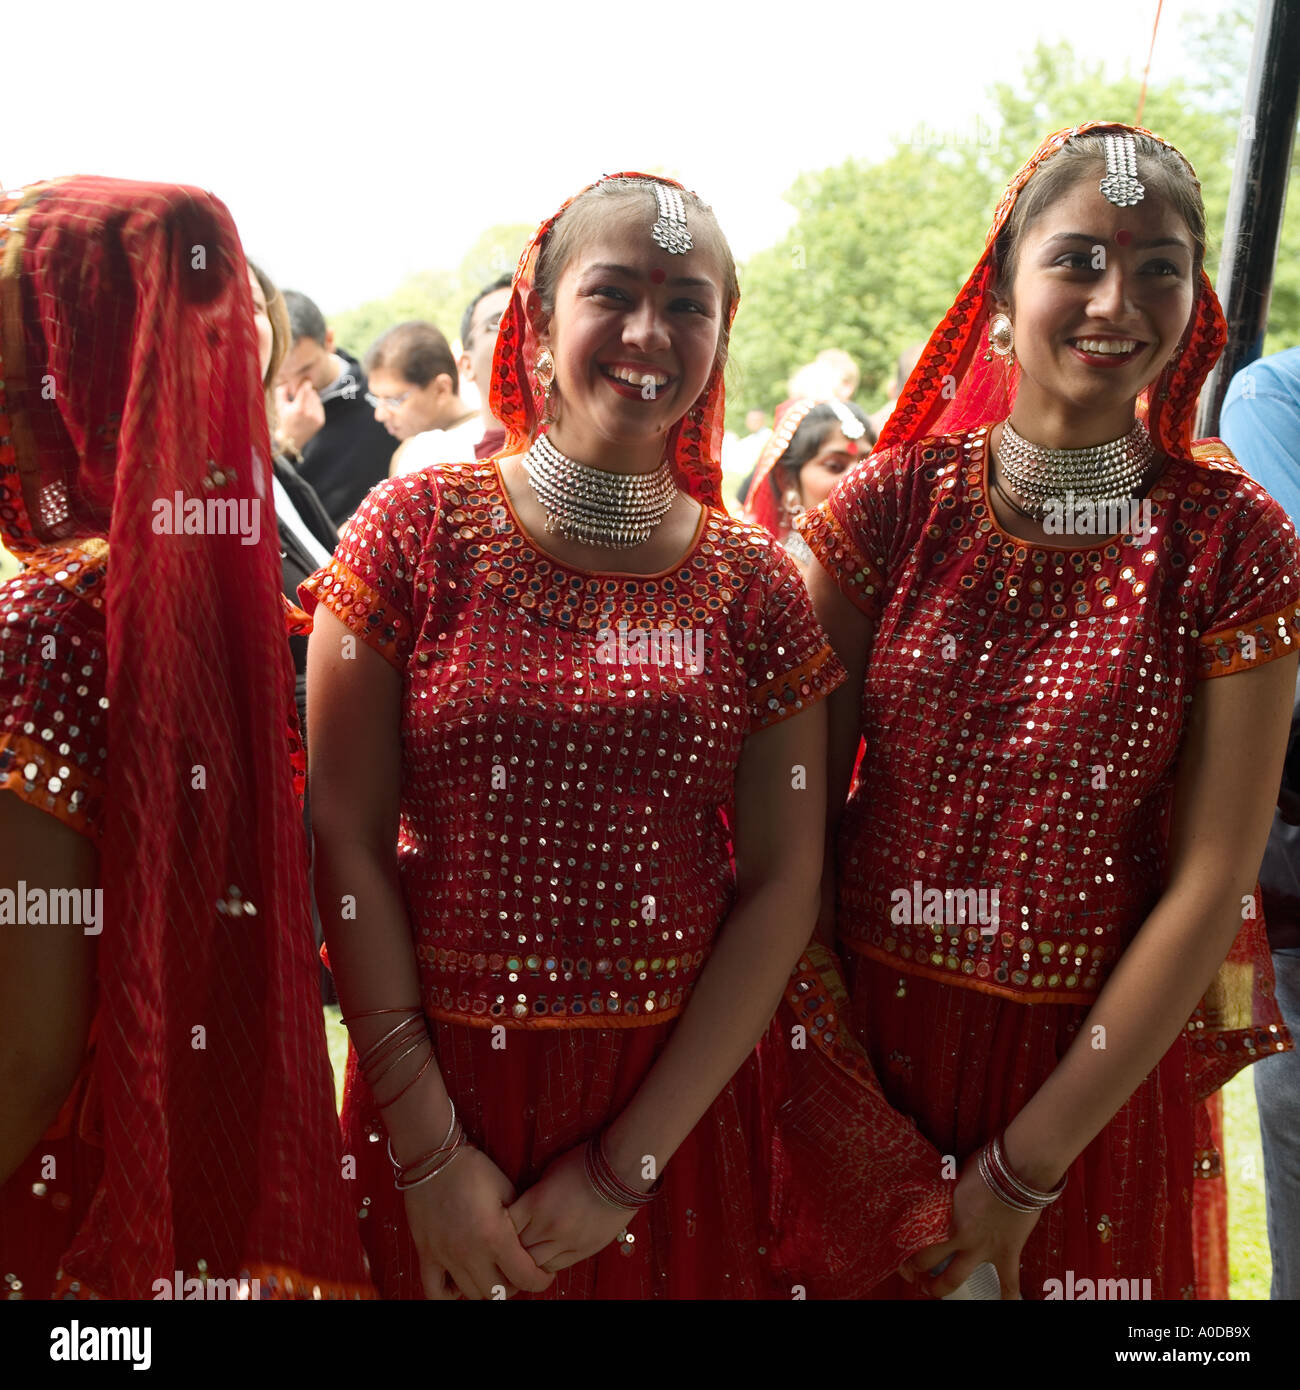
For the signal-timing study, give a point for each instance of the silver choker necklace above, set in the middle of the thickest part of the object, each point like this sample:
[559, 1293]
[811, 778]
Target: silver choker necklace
[1101, 473]
[589, 505]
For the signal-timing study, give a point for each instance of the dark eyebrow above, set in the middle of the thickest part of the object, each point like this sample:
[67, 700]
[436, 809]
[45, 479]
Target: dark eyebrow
[686, 280]
[1101, 241]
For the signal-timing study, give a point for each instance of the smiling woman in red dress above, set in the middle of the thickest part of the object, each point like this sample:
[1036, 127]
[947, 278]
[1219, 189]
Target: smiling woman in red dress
[1082, 733]
[567, 673]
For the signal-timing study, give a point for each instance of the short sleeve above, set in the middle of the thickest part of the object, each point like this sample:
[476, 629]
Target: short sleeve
[53, 664]
[1253, 611]
[852, 533]
[370, 581]
[789, 663]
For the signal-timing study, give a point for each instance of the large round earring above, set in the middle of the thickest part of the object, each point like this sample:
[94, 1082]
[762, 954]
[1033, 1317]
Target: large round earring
[793, 503]
[1001, 335]
[544, 370]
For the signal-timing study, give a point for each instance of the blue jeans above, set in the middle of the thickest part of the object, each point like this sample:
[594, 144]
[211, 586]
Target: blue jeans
[1277, 1094]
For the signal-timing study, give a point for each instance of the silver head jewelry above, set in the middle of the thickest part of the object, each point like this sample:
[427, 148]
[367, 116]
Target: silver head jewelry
[1121, 186]
[669, 230]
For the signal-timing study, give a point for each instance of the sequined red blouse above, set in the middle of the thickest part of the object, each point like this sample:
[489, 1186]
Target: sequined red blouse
[1023, 708]
[562, 849]
[53, 710]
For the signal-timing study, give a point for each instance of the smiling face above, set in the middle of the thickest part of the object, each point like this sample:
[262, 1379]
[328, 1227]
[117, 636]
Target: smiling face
[1100, 300]
[634, 334]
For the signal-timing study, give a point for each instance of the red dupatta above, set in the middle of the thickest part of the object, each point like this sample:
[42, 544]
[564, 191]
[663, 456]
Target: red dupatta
[130, 376]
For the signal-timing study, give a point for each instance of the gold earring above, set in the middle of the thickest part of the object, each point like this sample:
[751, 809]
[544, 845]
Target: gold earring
[1001, 336]
[544, 370]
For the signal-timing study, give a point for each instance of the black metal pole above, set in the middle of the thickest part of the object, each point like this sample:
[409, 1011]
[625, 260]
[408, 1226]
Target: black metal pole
[1257, 198]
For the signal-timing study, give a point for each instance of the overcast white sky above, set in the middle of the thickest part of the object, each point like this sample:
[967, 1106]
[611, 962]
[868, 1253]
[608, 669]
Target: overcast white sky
[358, 142]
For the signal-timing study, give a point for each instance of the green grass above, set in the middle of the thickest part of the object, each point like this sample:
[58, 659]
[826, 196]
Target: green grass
[1249, 1266]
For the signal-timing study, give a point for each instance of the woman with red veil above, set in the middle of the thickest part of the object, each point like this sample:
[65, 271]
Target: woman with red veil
[537, 686]
[168, 1119]
[815, 440]
[1073, 730]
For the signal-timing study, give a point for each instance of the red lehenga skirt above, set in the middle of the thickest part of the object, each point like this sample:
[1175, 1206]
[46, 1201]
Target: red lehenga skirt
[798, 1181]
[963, 1064]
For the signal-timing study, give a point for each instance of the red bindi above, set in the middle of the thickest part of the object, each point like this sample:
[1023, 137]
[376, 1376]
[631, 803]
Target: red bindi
[657, 276]
[1122, 237]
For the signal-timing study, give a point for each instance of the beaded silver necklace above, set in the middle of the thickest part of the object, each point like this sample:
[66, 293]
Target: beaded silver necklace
[1100, 473]
[595, 507]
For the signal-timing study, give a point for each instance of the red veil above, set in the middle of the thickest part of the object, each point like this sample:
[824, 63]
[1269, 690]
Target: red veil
[129, 375]
[852, 1188]
[953, 388]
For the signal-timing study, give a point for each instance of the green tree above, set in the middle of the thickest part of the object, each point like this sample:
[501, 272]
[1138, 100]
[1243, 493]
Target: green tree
[878, 250]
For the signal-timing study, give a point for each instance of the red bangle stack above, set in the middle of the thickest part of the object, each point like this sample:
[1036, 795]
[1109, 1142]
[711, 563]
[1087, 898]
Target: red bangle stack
[608, 1186]
[1009, 1189]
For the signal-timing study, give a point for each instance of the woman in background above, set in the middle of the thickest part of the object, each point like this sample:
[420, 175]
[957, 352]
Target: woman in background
[813, 444]
[154, 1059]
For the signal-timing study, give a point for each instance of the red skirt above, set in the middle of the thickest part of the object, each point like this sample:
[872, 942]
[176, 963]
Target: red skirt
[963, 1064]
[798, 1181]
[546, 1092]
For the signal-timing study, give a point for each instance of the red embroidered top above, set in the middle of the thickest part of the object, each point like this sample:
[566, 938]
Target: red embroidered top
[53, 706]
[562, 851]
[1023, 708]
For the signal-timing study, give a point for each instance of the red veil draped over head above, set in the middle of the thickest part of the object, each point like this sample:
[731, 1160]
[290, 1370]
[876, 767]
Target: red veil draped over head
[851, 1187]
[762, 503]
[130, 380]
[957, 385]
[953, 388]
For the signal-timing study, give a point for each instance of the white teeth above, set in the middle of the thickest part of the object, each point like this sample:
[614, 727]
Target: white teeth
[1106, 346]
[636, 378]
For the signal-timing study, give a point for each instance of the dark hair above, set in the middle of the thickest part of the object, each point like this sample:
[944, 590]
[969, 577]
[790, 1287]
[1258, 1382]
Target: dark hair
[587, 213]
[305, 319]
[502, 282]
[811, 435]
[416, 351]
[1161, 169]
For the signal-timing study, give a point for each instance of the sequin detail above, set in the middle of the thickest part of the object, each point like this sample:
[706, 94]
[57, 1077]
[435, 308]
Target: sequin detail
[563, 855]
[1024, 706]
[53, 710]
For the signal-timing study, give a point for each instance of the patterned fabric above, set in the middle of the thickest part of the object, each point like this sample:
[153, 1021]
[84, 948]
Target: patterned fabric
[141, 709]
[1078, 699]
[523, 677]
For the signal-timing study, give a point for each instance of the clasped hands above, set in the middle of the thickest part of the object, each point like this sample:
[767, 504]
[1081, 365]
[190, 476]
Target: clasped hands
[477, 1239]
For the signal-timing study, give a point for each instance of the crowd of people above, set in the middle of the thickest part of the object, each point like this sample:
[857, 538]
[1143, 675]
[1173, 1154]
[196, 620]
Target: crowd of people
[848, 889]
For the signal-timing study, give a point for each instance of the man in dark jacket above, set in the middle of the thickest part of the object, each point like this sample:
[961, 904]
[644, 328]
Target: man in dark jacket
[321, 401]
